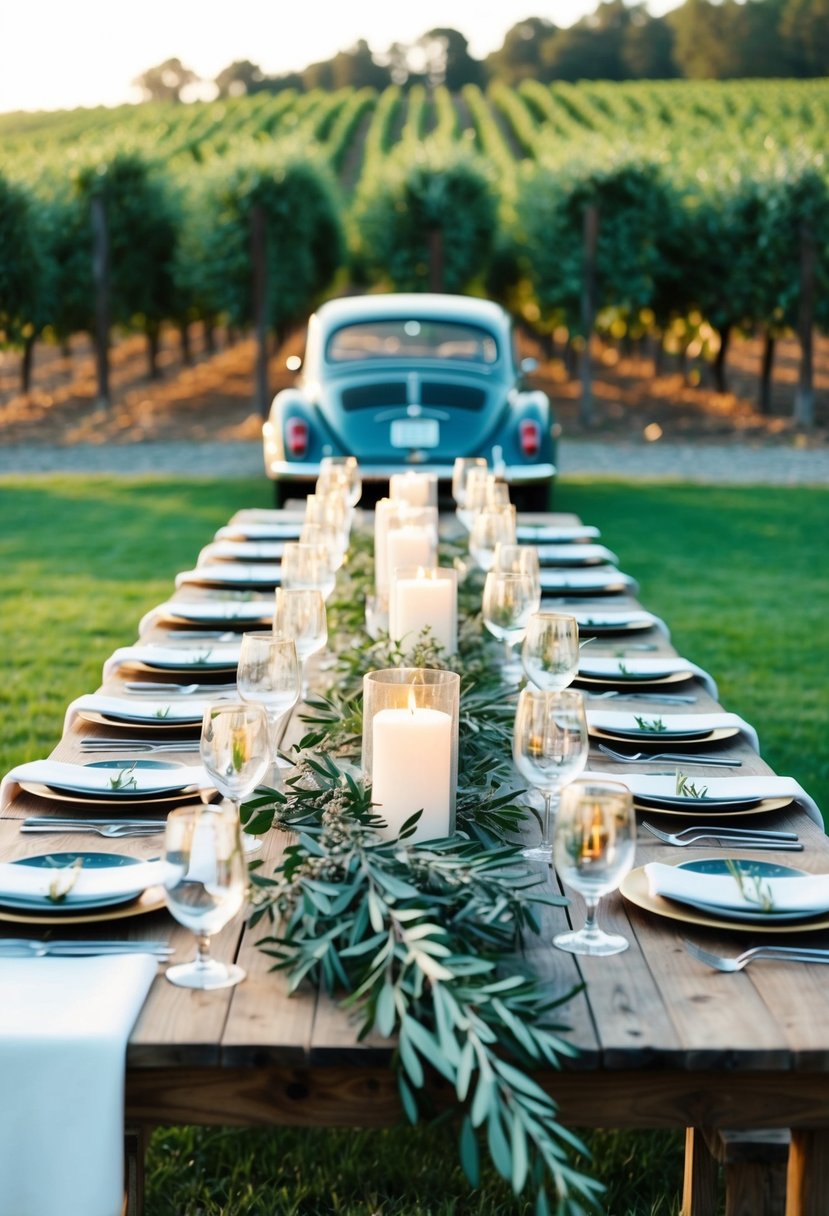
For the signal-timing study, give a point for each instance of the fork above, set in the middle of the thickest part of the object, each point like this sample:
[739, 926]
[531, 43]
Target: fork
[650, 757]
[794, 954]
[735, 837]
[719, 830]
[213, 635]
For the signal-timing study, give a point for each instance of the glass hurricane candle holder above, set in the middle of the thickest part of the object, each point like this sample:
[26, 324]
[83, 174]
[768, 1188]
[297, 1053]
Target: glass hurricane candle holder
[423, 597]
[416, 489]
[410, 748]
[403, 536]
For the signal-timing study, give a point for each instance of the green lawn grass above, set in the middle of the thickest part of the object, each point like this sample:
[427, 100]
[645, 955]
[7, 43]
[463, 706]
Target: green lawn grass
[739, 574]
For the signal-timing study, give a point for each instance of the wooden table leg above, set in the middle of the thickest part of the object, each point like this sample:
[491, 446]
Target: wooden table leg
[699, 1187]
[807, 1186]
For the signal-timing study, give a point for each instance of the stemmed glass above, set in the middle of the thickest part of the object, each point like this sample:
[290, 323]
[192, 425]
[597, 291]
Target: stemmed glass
[205, 886]
[594, 850]
[550, 652]
[308, 566]
[509, 601]
[348, 469]
[549, 749]
[473, 490]
[268, 675]
[235, 751]
[299, 613]
[490, 527]
[520, 559]
[461, 470]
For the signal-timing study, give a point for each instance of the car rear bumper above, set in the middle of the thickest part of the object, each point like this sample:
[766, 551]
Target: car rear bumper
[519, 475]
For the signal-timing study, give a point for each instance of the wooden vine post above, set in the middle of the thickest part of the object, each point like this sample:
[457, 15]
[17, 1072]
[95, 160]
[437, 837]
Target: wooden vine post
[804, 400]
[101, 280]
[259, 250]
[588, 310]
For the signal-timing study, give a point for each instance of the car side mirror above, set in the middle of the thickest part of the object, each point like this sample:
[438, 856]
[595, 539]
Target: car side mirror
[529, 365]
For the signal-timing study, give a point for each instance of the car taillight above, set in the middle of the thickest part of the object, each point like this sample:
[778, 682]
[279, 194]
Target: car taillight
[529, 432]
[296, 436]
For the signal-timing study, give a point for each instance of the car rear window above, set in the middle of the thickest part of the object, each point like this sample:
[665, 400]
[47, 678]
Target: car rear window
[412, 338]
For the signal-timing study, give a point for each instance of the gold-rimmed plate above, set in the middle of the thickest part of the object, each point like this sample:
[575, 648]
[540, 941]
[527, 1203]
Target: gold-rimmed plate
[639, 680]
[151, 725]
[101, 798]
[685, 741]
[759, 806]
[151, 900]
[634, 888]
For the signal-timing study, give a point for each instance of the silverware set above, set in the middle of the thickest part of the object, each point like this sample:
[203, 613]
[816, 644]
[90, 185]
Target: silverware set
[679, 758]
[744, 838]
[24, 947]
[792, 954]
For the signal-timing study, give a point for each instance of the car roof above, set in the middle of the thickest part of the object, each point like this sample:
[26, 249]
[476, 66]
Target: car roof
[470, 309]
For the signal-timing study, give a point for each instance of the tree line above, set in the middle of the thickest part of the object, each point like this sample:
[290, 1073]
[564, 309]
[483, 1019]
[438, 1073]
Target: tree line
[700, 39]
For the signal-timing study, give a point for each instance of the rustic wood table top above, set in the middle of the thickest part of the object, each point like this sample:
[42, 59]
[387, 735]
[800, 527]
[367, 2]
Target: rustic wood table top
[663, 1041]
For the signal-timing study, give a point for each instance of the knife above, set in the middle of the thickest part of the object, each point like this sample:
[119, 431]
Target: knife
[35, 821]
[24, 947]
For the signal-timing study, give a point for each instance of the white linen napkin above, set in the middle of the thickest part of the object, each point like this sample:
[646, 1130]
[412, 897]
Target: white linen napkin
[251, 530]
[231, 574]
[64, 1026]
[268, 515]
[241, 551]
[83, 778]
[575, 555]
[36, 882]
[807, 893]
[185, 710]
[622, 720]
[755, 785]
[246, 612]
[594, 579]
[555, 533]
[599, 667]
[201, 655]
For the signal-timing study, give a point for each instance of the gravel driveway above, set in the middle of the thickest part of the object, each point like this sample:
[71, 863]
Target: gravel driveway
[720, 464]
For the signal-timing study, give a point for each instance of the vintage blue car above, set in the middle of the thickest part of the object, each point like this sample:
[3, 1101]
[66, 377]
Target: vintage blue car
[411, 381]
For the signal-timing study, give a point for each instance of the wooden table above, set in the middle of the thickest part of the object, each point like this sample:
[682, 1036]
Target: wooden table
[663, 1041]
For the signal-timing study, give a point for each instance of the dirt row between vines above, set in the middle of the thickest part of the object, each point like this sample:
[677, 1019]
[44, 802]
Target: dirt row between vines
[211, 400]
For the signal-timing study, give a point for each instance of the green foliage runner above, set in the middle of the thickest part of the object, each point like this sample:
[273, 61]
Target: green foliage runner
[424, 939]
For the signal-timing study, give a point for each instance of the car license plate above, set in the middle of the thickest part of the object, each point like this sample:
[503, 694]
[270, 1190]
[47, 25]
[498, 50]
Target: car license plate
[415, 433]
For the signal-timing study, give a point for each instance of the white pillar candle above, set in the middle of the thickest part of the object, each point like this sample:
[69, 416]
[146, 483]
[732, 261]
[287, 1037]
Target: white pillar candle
[416, 489]
[409, 545]
[427, 597]
[412, 770]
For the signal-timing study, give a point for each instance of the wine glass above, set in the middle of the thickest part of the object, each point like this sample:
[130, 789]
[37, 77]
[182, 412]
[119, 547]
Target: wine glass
[491, 526]
[235, 751]
[549, 749]
[323, 534]
[307, 566]
[299, 613]
[520, 559]
[474, 492]
[509, 600]
[461, 470]
[268, 675]
[594, 849]
[550, 652]
[205, 886]
[348, 468]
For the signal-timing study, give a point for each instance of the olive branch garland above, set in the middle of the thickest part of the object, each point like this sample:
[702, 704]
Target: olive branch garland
[424, 939]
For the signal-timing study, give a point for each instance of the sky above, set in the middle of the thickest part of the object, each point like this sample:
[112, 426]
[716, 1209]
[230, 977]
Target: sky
[59, 54]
